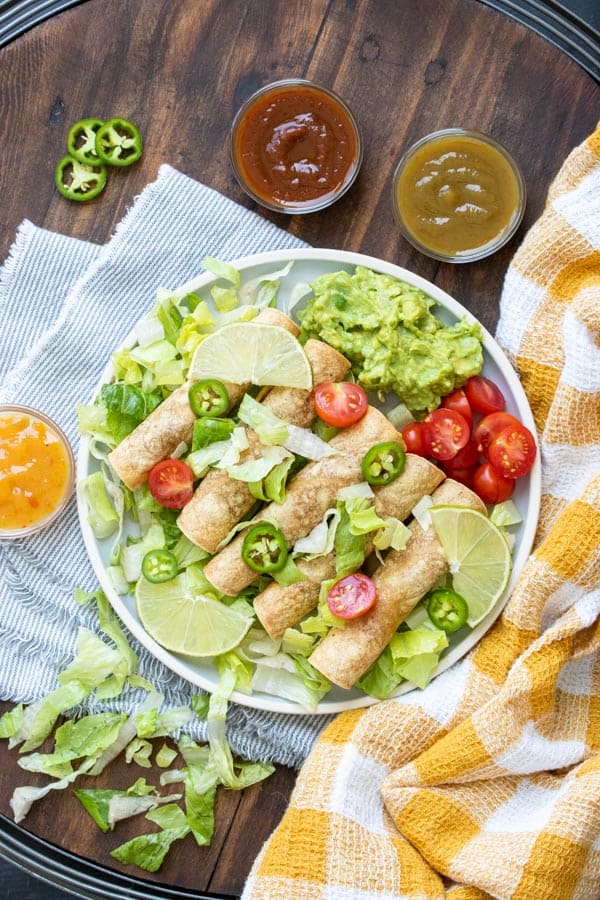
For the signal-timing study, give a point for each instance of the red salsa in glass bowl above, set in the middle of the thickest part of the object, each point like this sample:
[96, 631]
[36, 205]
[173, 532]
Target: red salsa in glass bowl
[295, 146]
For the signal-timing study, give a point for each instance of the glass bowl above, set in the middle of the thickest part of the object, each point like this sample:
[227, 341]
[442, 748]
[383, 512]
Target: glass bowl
[63, 488]
[295, 146]
[458, 195]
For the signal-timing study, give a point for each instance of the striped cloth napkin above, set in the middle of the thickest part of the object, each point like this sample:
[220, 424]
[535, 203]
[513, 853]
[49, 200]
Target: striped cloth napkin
[487, 784]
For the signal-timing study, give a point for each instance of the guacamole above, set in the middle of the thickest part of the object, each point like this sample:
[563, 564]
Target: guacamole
[386, 329]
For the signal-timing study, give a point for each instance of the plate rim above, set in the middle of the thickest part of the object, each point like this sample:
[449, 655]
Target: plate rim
[268, 703]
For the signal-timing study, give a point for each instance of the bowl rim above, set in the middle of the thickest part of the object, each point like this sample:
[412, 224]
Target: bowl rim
[15, 533]
[483, 250]
[181, 665]
[319, 203]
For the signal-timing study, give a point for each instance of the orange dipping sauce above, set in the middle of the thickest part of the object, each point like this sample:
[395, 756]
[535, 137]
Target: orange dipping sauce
[295, 146]
[36, 471]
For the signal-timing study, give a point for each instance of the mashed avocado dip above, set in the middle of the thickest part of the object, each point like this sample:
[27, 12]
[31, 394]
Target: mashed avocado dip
[394, 342]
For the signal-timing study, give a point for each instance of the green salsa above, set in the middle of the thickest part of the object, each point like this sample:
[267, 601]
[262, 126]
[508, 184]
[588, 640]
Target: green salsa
[386, 329]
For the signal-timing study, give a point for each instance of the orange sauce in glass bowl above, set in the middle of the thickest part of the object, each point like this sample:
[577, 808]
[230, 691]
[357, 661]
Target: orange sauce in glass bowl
[36, 471]
[295, 146]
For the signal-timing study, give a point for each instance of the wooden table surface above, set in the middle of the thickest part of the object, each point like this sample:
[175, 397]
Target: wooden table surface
[180, 70]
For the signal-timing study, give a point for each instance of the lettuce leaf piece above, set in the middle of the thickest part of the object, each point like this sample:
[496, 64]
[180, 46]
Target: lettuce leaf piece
[253, 470]
[147, 851]
[165, 756]
[96, 801]
[225, 299]
[279, 675]
[40, 717]
[200, 792]
[153, 724]
[126, 406]
[139, 751]
[24, 797]
[411, 655]
[93, 421]
[170, 317]
[220, 752]
[349, 547]
[394, 534]
[208, 430]
[324, 619]
[289, 574]
[320, 541]
[262, 290]
[362, 517]
[269, 427]
[221, 270]
[200, 705]
[11, 721]
[75, 739]
[102, 516]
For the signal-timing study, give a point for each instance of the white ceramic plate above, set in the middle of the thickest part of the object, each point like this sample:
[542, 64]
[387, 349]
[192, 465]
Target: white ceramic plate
[309, 264]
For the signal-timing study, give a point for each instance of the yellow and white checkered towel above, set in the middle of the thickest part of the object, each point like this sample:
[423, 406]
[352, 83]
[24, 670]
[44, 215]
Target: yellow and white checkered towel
[488, 782]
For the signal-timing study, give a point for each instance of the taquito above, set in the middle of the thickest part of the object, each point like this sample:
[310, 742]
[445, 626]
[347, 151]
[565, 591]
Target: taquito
[279, 607]
[405, 577]
[309, 494]
[172, 423]
[220, 502]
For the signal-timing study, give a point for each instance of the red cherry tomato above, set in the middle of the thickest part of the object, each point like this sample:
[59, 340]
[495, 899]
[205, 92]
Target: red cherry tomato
[171, 483]
[352, 596]
[464, 476]
[468, 456]
[340, 403]
[490, 486]
[412, 435]
[487, 428]
[445, 432]
[512, 451]
[483, 395]
[457, 401]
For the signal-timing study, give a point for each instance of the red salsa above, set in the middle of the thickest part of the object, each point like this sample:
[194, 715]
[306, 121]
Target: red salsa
[295, 146]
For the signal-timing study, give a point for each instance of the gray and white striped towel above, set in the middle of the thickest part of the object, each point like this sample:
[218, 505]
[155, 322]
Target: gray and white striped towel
[71, 303]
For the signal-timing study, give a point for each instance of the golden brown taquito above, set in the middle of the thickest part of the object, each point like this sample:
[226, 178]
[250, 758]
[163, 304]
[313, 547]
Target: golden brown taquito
[406, 575]
[310, 493]
[220, 502]
[279, 607]
[172, 423]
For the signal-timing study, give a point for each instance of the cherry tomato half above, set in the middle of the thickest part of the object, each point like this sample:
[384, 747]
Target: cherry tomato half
[445, 432]
[483, 395]
[490, 486]
[487, 428]
[171, 483]
[340, 403]
[512, 451]
[352, 596]
[457, 401]
[468, 456]
[412, 435]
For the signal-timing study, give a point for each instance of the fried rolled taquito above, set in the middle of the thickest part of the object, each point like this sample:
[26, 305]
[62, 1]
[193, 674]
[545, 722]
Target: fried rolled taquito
[172, 423]
[346, 653]
[309, 495]
[279, 607]
[220, 502]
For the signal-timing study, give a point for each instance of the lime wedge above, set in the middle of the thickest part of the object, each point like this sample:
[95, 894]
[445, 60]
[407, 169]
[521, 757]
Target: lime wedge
[251, 353]
[478, 556]
[188, 623]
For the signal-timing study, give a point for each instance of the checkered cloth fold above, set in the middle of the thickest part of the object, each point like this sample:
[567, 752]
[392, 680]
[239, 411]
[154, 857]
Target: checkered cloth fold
[487, 784]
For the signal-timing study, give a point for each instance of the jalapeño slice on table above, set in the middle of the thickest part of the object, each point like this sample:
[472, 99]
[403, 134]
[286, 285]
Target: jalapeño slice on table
[208, 397]
[79, 181]
[447, 609]
[81, 141]
[264, 549]
[383, 463]
[118, 143]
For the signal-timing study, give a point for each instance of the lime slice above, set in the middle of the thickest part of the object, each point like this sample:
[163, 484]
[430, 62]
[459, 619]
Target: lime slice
[188, 623]
[251, 353]
[478, 555]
